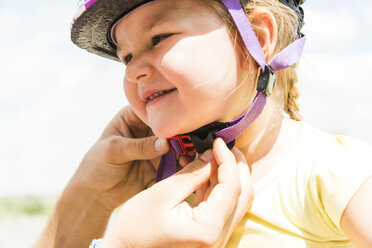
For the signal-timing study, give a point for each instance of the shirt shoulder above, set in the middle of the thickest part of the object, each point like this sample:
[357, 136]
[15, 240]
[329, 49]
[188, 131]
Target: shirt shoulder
[339, 166]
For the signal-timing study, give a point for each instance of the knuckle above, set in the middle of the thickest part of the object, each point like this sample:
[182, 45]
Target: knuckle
[248, 197]
[111, 146]
[238, 154]
[115, 150]
[140, 147]
[112, 142]
[144, 147]
[251, 194]
[236, 191]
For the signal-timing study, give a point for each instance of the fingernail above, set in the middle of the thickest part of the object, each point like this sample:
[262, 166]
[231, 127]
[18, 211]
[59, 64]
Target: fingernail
[219, 140]
[207, 156]
[160, 144]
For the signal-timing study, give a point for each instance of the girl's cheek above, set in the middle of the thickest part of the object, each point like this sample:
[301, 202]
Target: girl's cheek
[176, 63]
[128, 90]
[139, 107]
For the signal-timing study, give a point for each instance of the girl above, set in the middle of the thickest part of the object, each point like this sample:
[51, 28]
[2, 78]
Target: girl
[192, 70]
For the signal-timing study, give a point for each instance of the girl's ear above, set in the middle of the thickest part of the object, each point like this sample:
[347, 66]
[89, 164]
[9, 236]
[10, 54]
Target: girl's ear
[266, 29]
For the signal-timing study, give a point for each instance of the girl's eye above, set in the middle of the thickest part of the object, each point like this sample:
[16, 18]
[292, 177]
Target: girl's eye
[159, 38]
[155, 41]
[128, 58]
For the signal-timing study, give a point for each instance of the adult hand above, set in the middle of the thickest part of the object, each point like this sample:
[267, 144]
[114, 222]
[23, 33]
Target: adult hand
[159, 216]
[122, 162]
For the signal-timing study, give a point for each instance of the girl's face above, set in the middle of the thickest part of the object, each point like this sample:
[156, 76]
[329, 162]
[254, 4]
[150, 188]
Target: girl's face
[182, 66]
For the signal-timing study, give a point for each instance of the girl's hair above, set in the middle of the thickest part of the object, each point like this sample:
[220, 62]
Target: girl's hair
[288, 26]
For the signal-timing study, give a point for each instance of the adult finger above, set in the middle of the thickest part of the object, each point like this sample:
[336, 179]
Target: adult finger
[127, 124]
[224, 196]
[245, 199]
[213, 181]
[182, 184]
[136, 126]
[185, 159]
[121, 150]
[247, 195]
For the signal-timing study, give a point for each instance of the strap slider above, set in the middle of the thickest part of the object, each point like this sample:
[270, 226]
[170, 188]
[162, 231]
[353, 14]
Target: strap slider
[181, 144]
[266, 80]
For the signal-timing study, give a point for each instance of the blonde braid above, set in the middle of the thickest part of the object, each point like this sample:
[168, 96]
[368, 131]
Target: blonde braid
[290, 101]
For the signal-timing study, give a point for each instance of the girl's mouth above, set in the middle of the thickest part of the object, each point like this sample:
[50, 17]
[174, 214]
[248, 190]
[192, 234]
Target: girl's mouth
[158, 94]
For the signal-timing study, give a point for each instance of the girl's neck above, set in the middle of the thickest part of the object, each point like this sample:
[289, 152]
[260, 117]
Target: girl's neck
[272, 138]
[258, 140]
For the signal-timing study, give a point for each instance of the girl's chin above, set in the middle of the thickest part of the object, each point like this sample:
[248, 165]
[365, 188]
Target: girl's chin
[164, 131]
[170, 129]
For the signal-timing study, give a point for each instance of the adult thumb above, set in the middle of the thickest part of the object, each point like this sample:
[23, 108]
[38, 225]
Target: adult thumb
[129, 149]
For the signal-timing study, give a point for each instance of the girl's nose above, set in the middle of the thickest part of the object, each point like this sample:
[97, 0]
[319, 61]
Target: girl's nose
[139, 69]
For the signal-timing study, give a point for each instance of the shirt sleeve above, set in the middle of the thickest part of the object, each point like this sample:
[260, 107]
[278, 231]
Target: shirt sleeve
[342, 170]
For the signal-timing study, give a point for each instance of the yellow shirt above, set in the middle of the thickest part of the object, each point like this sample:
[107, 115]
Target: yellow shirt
[301, 201]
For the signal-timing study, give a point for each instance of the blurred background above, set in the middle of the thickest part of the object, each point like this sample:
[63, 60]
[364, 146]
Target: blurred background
[56, 99]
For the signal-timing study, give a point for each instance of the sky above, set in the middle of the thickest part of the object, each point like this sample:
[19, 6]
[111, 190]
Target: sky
[56, 99]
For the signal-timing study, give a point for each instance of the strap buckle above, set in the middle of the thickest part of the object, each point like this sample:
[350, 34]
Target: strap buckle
[199, 140]
[266, 80]
[181, 144]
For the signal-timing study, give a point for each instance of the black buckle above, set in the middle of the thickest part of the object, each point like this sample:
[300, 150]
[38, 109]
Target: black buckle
[266, 80]
[199, 140]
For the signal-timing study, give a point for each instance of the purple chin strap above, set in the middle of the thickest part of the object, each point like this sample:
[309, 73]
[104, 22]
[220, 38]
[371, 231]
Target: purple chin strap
[191, 142]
